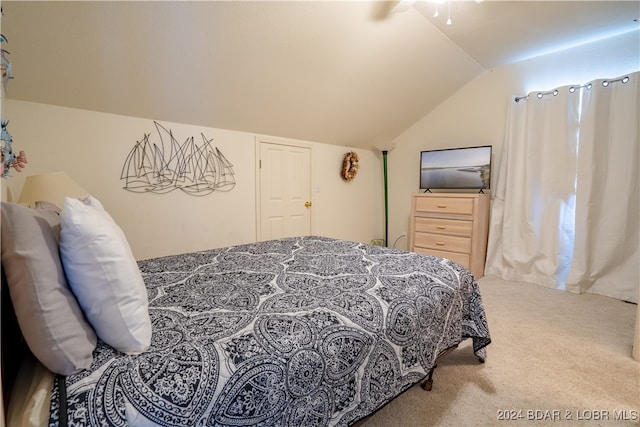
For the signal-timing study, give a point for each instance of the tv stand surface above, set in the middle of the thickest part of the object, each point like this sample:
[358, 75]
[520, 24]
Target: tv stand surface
[428, 190]
[453, 226]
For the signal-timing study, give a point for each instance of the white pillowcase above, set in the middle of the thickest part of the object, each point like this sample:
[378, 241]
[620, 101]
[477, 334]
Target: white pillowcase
[104, 275]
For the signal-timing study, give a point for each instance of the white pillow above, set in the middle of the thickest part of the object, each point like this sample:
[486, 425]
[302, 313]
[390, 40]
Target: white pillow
[104, 275]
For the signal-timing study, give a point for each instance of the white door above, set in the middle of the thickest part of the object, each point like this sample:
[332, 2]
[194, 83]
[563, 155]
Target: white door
[285, 190]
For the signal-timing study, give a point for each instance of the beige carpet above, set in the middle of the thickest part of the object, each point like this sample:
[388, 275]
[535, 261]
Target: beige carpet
[556, 358]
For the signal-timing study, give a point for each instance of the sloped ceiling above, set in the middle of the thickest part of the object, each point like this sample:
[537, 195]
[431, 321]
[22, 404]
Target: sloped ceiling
[346, 73]
[501, 32]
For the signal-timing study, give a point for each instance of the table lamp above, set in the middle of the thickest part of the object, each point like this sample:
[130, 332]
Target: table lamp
[49, 187]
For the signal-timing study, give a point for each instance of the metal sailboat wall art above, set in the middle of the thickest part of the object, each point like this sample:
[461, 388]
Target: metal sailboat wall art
[160, 168]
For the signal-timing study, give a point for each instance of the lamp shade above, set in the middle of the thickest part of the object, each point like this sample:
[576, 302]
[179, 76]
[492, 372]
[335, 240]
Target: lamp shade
[49, 187]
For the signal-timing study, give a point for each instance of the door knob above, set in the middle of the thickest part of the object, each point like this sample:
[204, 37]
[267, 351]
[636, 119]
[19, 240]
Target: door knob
[307, 204]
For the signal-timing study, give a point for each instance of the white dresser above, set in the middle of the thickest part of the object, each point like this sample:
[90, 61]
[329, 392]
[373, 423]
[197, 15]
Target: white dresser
[453, 226]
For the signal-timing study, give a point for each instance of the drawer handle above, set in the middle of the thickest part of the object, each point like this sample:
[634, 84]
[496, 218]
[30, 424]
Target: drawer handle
[441, 227]
[440, 243]
[442, 206]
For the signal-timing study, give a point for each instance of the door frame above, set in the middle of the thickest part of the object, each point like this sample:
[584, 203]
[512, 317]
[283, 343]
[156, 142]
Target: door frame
[259, 140]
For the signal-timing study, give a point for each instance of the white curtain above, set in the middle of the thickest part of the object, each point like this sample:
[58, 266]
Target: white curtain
[565, 207]
[606, 258]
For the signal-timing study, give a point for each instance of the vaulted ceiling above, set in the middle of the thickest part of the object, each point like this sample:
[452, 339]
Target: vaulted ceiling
[338, 72]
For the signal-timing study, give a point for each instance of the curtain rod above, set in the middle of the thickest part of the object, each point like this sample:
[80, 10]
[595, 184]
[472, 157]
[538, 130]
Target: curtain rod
[572, 89]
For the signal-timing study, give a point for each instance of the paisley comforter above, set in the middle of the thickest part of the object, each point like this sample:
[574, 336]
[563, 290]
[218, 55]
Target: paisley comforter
[298, 331]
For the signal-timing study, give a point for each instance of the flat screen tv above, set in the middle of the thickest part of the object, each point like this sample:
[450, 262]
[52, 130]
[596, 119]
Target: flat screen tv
[456, 168]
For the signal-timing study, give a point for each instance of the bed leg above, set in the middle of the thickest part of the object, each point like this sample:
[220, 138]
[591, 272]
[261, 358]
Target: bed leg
[428, 383]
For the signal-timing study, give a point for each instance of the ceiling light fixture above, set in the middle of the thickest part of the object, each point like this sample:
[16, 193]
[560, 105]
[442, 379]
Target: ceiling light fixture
[437, 11]
[404, 5]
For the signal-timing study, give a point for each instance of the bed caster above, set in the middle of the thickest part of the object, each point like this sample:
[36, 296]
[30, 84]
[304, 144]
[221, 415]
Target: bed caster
[428, 383]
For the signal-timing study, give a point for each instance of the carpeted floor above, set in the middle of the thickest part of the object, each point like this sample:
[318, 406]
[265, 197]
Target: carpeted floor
[556, 358]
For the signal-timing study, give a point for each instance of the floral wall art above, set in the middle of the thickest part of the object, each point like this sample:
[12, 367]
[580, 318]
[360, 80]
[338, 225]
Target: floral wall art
[7, 156]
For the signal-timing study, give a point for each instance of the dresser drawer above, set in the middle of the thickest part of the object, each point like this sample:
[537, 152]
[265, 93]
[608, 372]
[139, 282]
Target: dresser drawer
[446, 205]
[443, 242]
[462, 259]
[453, 226]
[444, 226]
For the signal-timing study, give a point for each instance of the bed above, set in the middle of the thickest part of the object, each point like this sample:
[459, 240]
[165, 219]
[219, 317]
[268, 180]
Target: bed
[296, 331]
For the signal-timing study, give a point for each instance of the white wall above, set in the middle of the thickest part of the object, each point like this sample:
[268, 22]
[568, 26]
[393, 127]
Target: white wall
[476, 114]
[348, 210]
[92, 147]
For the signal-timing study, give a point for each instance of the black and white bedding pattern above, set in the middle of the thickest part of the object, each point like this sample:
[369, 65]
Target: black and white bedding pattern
[298, 331]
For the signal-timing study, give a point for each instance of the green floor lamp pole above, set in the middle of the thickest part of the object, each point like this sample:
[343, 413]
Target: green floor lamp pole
[386, 200]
